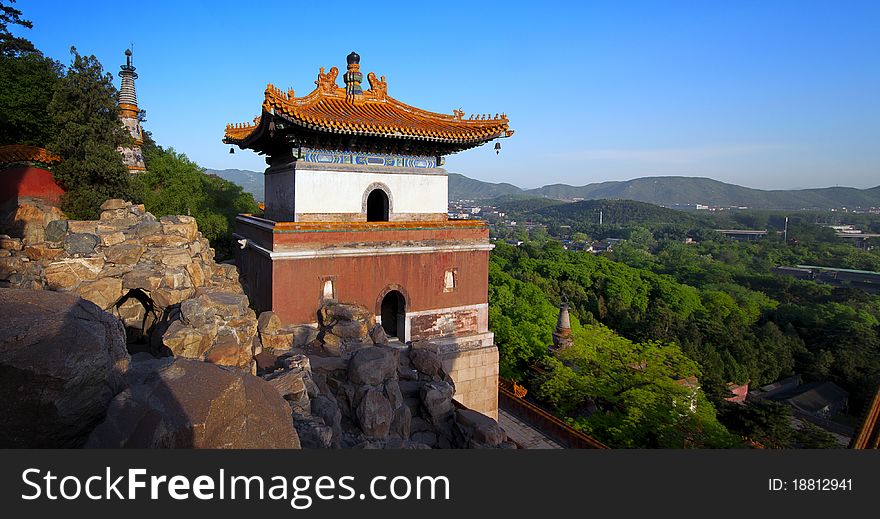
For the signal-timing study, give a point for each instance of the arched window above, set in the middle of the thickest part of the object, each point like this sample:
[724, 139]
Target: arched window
[377, 206]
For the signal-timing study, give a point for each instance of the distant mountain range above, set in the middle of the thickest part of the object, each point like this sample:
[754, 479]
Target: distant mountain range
[668, 191]
[671, 191]
[251, 181]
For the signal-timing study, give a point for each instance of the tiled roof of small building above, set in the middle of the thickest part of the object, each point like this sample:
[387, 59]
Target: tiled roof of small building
[352, 111]
[14, 153]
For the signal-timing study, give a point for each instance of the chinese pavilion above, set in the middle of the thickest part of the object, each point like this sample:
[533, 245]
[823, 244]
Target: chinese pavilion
[128, 114]
[356, 210]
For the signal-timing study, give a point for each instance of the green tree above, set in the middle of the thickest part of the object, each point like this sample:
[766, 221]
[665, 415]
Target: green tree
[27, 83]
[762, 421]
[173, 184]
[639, 389]
[88, 133]
[12, 45]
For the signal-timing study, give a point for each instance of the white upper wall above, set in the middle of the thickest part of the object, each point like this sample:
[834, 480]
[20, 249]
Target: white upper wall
[324, 191]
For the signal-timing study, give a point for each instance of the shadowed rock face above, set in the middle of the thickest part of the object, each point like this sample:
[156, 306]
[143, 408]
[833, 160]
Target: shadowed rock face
[346, 390]
[183, 403]
[61, 363]
[158, 276]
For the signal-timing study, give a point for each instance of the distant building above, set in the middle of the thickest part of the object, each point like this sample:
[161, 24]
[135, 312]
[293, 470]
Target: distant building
[606, 245]
[740, 392]
[866, 280]
[816, 402]
[742, 234]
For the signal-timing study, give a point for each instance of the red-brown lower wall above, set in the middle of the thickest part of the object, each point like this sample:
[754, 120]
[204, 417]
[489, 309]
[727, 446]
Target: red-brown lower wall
[256, 271]
[297, 283]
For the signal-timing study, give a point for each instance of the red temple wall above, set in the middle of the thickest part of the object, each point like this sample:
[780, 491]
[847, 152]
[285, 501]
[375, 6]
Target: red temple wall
[297, 284]
[29, 182]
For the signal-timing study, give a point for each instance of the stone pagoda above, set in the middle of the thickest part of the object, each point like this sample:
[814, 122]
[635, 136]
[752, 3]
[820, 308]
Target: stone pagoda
[128, 114]
[356, 210]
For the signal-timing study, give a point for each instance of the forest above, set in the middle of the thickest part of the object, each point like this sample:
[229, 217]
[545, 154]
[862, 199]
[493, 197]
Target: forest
[660, 309]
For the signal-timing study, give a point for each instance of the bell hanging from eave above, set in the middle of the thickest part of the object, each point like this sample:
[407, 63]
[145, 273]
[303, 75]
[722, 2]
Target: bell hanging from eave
[497, 148]
[231, 150]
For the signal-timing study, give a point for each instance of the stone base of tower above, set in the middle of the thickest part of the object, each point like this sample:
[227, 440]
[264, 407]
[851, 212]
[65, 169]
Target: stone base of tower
[472, 362]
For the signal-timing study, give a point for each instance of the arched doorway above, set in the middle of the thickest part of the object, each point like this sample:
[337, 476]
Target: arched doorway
[394, 314]
[377, 206]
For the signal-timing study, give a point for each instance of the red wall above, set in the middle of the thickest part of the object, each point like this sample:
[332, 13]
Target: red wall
[297, 284]
[30, 182]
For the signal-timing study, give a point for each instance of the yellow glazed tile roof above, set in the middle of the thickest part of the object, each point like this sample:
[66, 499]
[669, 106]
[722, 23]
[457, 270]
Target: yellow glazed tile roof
[372, 112]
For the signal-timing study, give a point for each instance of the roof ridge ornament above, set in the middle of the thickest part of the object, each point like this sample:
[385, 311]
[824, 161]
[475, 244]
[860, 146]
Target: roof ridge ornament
[379, 87]
[353, 77]
[327, 82]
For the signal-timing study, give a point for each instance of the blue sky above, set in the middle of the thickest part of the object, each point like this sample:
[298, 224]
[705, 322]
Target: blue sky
[768, 94]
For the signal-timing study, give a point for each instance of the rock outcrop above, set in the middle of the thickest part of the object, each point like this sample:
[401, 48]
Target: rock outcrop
[183, 403]
[345, 391]
[62, 361]
[158, 276]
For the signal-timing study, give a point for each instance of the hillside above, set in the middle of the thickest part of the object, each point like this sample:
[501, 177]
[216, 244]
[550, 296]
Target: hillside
[251, 181]
[652, 190]
[522, 203]
[464, 188]
[614, 212]
[696, 190]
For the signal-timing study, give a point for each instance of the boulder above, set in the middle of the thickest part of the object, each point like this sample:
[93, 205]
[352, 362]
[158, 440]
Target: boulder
[437, 400]
[186, 341]
[228, 351]
[371, 365]
[227, 304]
[182, 403]
[55, 230]
[104, 292]
[184, 226]
[326, 408]
[29, 221]
[82, 244]
[176, 259]
[142, 278]
[374, 414]
[347, 330]
[426, 361]
[82, 226]
[268, 322]
[344, 312]
[280, 342]
[167, 297]
[114, 203]
[42, 252]
[61, 363]
[66, 274]
[313, 434]
[288, 382]
[196, 274]
[108, 239]
[147, 228]
[303, 335]
[400, 424]
[480, 427]
[7, 243]
[124, 253]
[378, 335]
[197, 311]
